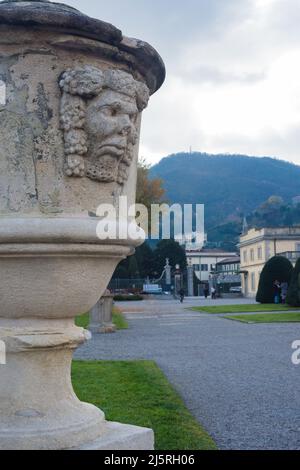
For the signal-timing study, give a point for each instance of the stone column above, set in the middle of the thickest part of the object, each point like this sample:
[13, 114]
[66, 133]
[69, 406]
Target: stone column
[190, 280]
[168, 273]
[101, 320]
[75, 88]
[177, 281]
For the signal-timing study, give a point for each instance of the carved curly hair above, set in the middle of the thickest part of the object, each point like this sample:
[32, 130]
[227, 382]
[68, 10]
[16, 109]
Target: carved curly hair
[78, 86]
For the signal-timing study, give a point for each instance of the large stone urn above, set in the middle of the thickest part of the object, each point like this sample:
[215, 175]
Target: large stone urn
[69, 133]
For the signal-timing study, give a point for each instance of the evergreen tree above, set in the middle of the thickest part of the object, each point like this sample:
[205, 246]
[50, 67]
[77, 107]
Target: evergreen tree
[133, 270]
[277, 268]
[149, 191]
[169, 249]
[121, 271]
[293, 295]
[145, 260]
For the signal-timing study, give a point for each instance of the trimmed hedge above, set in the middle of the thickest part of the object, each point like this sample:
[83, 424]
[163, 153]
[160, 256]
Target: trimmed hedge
[277, 268]
[293, 295]
[126, 298]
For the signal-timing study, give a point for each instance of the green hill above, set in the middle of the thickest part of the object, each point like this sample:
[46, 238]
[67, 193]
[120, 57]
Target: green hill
[229, 185]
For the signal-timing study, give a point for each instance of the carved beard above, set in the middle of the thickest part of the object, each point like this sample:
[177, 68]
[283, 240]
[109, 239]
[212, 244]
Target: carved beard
[103, 168]
[110, 167]
[125, 165]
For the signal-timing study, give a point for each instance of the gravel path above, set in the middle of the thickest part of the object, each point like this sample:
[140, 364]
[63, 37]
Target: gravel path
[237, 379]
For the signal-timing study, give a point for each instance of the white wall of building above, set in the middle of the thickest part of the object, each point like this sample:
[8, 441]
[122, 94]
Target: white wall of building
[205, 261]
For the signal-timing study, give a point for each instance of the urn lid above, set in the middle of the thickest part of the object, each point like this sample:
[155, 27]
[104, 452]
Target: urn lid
[39, 14]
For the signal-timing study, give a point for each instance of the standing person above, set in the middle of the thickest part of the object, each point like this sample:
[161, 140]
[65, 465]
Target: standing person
[276, 288]
[206, 291]
[213, 293]
[181, 294]
[284, 291]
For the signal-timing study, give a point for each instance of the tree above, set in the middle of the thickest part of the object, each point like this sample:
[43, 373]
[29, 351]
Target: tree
[277, 268]
[145, 260]
[169, 249]
[121, 271]
[275, 213]
[273, 202]
[133, 269]
[293, 295]
[148, 190]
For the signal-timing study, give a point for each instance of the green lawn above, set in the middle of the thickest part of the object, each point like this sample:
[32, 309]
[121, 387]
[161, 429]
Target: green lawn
[244, 308]
[137, 392]
[266, 318]
[118, 319]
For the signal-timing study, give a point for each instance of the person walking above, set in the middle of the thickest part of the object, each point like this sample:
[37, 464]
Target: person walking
[276, 288]
[213, 293]
[206, 291]
[181, 295]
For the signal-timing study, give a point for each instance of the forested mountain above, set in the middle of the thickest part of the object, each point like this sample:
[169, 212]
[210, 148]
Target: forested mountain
[230, 186]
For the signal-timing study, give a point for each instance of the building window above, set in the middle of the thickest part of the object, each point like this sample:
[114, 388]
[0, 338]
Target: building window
[204, 267]
[196, 267]
[259, 252]
[252, 254]
[253, 284]
[245, 255]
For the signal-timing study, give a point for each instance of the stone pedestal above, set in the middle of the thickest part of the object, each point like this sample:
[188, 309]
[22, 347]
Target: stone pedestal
[122, 437]
[75, 88]
[101, 320]
[190, 280]
[177, 281]
[168, 273]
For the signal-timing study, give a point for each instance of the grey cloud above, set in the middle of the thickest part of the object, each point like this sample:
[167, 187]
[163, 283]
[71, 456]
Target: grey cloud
[284, 20]
[206, 74]
[283, 145]
[207, 41]
[168, 24]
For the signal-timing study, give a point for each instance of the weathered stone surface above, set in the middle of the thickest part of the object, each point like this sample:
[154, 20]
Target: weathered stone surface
[101, 320]
[63, 18]
[99, 112]
[35, 149]
[123, 437]
[75, 90]
[59, 16]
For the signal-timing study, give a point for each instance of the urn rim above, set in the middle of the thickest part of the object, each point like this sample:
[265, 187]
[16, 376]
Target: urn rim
[59, 17]
[63, 231]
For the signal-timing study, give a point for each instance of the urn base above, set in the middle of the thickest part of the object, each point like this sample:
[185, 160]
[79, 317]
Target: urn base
[122, 437]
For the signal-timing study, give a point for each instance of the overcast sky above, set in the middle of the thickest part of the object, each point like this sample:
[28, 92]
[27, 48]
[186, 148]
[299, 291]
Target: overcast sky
[233, 73]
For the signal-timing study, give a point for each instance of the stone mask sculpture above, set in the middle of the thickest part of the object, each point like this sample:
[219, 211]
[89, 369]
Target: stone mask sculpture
[99, 112]
[69, 135]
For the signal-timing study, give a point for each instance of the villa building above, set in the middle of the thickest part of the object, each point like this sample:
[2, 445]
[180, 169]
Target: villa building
[227, 277]
[257, 246]
[204, 261]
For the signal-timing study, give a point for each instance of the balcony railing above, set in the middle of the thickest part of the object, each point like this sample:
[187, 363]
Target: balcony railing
[293, 256]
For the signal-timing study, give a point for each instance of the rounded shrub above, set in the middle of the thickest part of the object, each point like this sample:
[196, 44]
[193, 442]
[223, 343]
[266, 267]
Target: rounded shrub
[127, 298]
[277, 268]
[293, 295]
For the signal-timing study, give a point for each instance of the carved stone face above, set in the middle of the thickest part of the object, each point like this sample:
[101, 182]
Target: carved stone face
[99, 116]
[111, 128]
